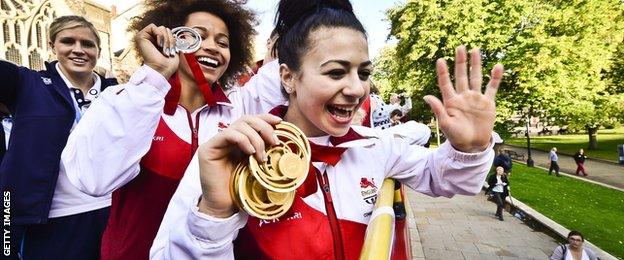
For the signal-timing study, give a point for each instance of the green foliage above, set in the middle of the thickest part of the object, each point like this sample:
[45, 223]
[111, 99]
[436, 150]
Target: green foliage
[615, 75]
[608, 140]
[594, 210]
[561, 57]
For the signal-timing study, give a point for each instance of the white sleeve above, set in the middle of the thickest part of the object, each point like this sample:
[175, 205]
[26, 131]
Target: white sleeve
[407, 107]
[439, 172]
[186, 233]
[263, 92]
[104, 150]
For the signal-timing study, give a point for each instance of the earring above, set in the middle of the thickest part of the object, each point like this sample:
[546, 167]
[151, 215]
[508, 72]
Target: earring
[289, 90]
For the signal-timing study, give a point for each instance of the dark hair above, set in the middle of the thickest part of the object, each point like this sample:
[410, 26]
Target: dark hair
[239, 21]
[296, 20]
[576, 233]
[273, 33]
[396, 112]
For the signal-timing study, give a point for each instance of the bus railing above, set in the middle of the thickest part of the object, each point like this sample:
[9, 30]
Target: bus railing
[380, 231]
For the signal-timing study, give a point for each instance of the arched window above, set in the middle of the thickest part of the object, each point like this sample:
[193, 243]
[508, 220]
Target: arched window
[35, 61]
[17, 5]
[39, 36]
[4, 6]
[7, 33]
[18, 33]
[12, 54]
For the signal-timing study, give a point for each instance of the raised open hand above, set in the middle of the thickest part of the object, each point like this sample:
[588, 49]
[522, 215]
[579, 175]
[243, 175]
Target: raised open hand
[466, 116]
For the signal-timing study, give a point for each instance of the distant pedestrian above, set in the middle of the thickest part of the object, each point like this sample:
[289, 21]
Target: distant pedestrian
[499, 187]
[574, 249]
[553, 162]
[579, 158]
[501, 158]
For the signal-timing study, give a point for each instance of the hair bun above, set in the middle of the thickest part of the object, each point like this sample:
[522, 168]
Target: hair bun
[289, 12]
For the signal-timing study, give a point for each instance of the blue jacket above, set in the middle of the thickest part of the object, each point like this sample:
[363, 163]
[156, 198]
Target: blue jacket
[44, 113]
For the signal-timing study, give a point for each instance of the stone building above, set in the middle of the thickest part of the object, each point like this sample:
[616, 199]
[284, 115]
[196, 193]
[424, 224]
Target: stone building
[25, 25]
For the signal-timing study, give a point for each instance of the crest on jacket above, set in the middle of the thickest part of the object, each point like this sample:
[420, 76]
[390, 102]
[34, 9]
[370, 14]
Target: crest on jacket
[368, 190]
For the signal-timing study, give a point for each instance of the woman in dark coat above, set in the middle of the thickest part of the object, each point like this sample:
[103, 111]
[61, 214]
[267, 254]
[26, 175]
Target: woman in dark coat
[499, 187]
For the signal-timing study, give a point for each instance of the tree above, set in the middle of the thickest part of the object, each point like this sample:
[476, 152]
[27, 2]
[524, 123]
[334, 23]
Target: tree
[557, 54]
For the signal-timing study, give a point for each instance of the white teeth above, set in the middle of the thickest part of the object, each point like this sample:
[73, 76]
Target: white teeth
[208, 60]
[79, 60]
[342, 112]
[344, 109]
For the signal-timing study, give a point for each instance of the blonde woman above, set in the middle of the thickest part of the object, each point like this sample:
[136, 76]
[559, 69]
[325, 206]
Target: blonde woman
[57, 220]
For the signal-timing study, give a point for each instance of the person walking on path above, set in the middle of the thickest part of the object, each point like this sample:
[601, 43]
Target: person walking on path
[574, 250]
[579, 158]
[499, 187]
[501, 158]
[553, 162]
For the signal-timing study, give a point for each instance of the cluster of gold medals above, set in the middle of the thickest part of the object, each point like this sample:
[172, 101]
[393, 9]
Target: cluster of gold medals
[266, 190]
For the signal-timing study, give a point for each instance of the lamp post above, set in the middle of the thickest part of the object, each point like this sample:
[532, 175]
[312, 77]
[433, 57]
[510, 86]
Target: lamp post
[530, 162]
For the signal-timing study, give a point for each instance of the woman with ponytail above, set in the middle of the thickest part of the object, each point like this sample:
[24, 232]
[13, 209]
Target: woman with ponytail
[324, 69]
[138, 141]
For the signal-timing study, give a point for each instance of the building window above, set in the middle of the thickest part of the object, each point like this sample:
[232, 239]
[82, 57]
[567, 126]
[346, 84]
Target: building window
[4, 6]
[17, 5]
[7, 33]
[13, 55]
[39, 38]
[18, 34]
[36, 63]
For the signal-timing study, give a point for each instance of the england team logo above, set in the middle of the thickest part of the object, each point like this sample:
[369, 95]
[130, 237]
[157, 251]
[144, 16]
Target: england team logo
[46, 81]
[369, 190]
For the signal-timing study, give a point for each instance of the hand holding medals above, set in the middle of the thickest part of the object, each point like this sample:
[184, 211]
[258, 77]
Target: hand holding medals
[159, 46]
[266, 190]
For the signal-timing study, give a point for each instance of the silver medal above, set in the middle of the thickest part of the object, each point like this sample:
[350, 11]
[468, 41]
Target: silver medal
[187, 39]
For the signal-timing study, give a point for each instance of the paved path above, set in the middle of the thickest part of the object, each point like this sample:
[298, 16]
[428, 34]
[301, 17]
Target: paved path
[464, 227]
[607, 173]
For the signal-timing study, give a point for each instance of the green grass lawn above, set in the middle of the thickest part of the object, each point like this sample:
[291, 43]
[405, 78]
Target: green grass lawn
[595, 211]
[569, 144]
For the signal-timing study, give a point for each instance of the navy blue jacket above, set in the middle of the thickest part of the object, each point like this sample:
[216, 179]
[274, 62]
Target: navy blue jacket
[43, 112]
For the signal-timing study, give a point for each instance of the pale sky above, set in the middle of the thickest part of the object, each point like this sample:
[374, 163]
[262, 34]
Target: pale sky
[370, 13]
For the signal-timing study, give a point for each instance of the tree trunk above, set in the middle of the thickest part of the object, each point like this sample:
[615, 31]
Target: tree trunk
[593, 144]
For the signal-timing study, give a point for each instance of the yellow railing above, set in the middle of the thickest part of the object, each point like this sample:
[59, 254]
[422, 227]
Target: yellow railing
[380, 231]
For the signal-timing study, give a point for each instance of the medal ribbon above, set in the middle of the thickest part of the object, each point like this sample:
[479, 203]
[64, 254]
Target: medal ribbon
[173, 96]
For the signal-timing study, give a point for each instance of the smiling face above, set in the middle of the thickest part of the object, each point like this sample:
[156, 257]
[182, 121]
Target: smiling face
[331, 83]
[76, 50]
[214, 53]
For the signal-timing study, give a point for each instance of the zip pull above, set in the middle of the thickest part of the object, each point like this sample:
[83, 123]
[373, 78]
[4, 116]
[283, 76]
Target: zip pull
[324, 181]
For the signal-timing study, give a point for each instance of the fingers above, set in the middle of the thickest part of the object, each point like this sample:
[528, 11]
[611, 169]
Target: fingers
[160, 36]
[437, 107]
[444, 80]
[461, 75]
[476, 77]
[252, 134]
[168, 41]
[496, 78]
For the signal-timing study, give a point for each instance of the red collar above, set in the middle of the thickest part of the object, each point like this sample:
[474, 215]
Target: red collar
[212, 94]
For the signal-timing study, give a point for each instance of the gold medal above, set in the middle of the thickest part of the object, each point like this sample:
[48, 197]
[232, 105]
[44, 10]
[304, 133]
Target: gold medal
[291, 166]
[266, 190]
